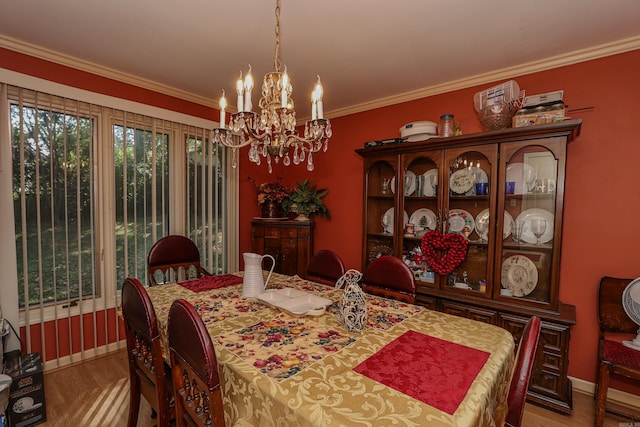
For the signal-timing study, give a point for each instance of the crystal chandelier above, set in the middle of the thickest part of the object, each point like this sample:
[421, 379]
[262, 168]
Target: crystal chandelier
[272, 133]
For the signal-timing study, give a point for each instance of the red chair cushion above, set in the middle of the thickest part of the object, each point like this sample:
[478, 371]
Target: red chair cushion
[618, 354]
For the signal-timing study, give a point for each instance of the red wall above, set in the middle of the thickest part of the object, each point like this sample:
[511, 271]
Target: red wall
[601, 197]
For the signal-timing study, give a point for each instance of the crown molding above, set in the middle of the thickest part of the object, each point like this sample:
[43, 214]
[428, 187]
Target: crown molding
[90, 67]
[588, 54]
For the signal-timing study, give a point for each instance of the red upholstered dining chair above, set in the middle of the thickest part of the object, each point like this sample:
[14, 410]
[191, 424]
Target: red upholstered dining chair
[613, 356]
[326, 267]
[389, 277]
[522, 372]
[174, 258]
[149, 376]
[194, 368]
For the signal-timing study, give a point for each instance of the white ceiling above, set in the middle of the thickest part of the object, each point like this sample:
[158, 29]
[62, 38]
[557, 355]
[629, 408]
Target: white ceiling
[364, 50]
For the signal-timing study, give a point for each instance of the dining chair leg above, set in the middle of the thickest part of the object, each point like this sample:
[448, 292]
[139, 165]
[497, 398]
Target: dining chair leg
[134, 405]
[602, 385]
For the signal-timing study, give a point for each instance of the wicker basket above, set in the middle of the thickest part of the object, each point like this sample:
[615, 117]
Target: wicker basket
[496, 121]
[499, 116]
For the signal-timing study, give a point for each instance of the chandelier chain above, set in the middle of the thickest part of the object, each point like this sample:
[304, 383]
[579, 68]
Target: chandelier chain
[276, 60]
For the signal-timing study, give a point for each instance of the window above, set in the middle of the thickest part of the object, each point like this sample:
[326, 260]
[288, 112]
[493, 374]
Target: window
[53, 150]
[141, 193]
[93, 188]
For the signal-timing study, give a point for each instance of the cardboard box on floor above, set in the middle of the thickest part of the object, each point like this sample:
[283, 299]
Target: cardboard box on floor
[26, 400]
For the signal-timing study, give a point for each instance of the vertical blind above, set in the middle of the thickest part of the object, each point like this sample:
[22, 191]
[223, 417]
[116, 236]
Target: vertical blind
[94, 187]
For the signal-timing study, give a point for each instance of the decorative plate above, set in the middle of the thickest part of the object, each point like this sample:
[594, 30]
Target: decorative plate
[424, 219]
[410, 183]
[527, 216]
[388, 218]
[461, 181]
[520, 275]
[506, 227]
[523, 175]
[461, 222]
[378, 251]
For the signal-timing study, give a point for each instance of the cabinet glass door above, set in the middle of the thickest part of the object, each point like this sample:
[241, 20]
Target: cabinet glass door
[420, 203]
[470, 213]
[381, 226]
[530, 198]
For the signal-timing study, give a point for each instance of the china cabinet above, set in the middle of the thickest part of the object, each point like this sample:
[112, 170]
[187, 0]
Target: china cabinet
[290, 242]
[503, 192]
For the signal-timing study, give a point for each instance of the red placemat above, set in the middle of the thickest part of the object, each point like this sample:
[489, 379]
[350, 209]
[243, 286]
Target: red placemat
[434, 371]
[208, 283]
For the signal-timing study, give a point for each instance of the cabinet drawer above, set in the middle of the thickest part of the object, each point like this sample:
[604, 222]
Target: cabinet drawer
[427, 302]
[272, 232]
[289, 232]
[545, 382]
[554, 337]
[474, 313]
[551, 362]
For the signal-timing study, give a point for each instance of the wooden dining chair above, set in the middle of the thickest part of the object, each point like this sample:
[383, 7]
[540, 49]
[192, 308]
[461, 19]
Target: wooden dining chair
[522, 372]
[149, 376]
[389, 277]
[613, 356]
[326, 267]
[174, 258]
[194, 368]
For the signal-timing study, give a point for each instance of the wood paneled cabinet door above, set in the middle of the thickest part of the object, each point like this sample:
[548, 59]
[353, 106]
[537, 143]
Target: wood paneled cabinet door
[503, 192]
[289, 242]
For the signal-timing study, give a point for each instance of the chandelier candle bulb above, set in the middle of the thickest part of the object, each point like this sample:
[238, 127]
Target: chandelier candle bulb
[314, 106]
[240, 90]
[248, 87]
[283, 93]
[319, 92]
[223, 105]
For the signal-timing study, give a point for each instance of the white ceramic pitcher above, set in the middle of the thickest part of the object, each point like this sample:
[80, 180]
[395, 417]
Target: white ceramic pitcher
[253, 282]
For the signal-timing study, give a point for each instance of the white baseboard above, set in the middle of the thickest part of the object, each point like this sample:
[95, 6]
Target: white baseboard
[613, 395]
[81, 357]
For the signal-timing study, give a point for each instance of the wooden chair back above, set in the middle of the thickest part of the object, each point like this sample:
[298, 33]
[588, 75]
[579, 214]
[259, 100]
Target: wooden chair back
[174, 258]
[389, 277]
[522, 372]
[613, 356]
[149, 376]
[326, 267]
[194, 368]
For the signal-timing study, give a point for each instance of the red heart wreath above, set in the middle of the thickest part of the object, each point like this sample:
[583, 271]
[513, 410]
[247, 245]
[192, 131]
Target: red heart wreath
[455, 246]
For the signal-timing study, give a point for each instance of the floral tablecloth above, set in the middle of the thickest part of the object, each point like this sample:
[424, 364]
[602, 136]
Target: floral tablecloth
[279, 370]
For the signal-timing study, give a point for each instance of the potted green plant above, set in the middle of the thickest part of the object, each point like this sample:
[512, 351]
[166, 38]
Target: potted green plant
[306, 201]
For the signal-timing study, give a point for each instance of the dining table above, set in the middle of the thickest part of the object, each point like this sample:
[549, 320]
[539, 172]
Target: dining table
[409, 366]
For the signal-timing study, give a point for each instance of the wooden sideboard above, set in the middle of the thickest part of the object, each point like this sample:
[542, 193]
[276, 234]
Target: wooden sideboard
[290, 242]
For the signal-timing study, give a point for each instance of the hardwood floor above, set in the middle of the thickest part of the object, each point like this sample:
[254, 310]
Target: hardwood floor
[96, 393]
